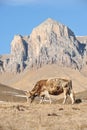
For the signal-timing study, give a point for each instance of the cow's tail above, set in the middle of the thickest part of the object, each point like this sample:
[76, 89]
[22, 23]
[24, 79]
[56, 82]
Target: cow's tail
[70, 84]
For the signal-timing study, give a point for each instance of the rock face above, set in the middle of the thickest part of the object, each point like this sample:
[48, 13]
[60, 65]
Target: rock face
[49, 43]
[83, 41]
[1, 66]
[18, 53]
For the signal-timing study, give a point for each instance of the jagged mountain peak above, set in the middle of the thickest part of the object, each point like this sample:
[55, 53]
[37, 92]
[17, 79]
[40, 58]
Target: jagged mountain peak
[50, 21]
[50, 25]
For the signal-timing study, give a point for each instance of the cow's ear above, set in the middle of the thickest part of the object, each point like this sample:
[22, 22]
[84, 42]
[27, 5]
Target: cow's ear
[30, 92]
[26, 92]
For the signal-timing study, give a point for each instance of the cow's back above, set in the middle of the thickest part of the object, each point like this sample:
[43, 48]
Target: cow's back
[55, 86]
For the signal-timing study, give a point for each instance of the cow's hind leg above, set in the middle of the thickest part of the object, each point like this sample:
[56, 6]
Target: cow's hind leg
[72, 96]
[65, 97]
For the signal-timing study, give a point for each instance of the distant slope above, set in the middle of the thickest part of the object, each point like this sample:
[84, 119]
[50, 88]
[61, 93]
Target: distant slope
[10, 94]
[27, 79]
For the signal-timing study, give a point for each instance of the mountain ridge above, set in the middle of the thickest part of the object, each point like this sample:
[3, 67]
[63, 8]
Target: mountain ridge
[49, 43]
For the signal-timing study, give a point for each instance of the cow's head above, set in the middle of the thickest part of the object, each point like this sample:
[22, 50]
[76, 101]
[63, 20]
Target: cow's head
[32, 96]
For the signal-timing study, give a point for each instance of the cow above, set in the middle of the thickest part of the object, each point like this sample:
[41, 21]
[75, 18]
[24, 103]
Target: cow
[54, 86]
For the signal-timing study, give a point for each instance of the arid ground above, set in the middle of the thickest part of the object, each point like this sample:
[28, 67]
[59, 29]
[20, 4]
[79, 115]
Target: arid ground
[17, 114]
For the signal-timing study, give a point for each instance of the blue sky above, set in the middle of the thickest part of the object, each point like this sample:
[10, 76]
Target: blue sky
[21, 16]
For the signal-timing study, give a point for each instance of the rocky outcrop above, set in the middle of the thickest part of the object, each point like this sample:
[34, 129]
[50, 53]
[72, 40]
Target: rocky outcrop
[49, 43]
[83, 42]
[1, 66]
[18, 53]
[18, 56]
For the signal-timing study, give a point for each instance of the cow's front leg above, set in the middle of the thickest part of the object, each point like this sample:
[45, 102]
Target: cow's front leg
[50, 100]
[27, 99]
[48, 96]
[41, 100]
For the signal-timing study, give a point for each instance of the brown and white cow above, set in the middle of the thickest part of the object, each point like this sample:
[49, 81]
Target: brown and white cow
[55, 86]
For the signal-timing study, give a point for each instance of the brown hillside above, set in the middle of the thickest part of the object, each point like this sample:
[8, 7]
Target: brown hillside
[27, 79]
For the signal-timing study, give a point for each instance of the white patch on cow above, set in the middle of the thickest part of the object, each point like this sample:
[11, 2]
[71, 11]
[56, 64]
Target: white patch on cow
[43, 94]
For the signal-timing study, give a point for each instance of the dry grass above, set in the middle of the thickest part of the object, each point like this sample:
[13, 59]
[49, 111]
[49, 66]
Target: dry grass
[23, 116]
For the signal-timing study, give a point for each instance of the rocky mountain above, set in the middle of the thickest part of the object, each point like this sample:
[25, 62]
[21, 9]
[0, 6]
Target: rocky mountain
[49, 43]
